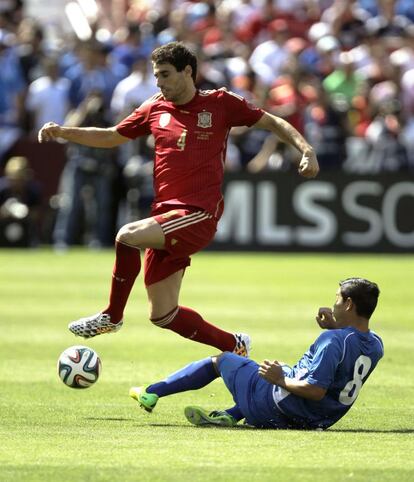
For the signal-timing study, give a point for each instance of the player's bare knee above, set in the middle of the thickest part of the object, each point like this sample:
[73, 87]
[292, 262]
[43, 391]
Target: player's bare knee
[129, 234]
[123, 235]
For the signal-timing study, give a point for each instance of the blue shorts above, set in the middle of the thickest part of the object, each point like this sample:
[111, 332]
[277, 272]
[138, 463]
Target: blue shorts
[251, 393]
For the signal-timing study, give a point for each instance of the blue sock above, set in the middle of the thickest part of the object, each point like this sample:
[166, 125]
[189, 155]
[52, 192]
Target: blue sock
[192, 377]
[235, 412]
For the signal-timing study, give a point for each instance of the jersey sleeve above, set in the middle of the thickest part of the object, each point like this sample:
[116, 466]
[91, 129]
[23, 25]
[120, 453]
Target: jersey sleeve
[240, 112]
[327, 356]
[136, 124]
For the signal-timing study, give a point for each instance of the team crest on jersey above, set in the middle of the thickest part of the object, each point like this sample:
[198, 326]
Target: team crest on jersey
[204, 119]
[165, 118]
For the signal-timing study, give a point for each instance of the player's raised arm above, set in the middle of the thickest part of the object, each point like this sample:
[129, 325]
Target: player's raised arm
[308, 166]
[325, 318]
[87, 136]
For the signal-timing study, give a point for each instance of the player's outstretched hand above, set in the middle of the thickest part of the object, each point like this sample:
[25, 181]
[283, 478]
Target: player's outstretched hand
[272, 372]
[49, 132]
[308, 166]
[325, 318]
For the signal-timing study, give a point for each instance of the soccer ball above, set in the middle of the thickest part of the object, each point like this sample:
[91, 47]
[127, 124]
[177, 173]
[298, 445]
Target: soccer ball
[79, 366]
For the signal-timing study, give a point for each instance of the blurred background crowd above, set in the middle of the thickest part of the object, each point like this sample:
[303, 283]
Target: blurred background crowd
[340, 71]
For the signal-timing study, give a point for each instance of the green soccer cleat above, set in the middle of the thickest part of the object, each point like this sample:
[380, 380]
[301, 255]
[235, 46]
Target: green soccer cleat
[200, 417]
[147, 401]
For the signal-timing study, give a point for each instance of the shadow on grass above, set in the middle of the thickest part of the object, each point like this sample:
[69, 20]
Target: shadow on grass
[205, 427]
[371, 430]
[247, 427]
[160, 425]
[110, 419]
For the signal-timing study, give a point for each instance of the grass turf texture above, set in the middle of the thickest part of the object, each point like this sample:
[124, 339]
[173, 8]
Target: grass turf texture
[51, 432]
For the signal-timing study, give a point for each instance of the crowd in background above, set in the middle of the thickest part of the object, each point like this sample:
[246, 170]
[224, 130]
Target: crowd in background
[341, 72]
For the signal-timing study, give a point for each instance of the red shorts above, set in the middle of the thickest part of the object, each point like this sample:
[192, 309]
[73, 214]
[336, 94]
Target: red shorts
[187, 230]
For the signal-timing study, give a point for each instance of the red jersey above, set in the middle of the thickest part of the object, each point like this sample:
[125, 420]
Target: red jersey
[190, 144]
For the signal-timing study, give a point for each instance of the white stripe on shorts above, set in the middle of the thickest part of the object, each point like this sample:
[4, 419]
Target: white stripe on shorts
[185, 221]
[187, 216]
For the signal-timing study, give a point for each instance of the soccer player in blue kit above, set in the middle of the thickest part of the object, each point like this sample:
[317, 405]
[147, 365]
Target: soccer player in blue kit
[315, 393]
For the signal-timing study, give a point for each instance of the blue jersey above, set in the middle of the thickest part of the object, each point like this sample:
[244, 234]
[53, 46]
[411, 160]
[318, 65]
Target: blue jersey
[339, 361]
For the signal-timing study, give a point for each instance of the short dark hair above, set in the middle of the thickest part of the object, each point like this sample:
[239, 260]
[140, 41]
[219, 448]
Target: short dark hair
[176, 54]
[363, 293]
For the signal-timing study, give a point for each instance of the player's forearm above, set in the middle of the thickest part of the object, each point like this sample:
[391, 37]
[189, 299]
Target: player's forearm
[90, 136]
[288, 134]
[302, 389]
[285, 132]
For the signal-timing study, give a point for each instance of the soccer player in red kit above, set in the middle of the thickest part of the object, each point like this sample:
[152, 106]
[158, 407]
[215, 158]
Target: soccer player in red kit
[190, 128]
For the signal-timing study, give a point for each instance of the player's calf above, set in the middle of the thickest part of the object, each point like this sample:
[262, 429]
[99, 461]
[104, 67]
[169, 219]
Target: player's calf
[190, 324]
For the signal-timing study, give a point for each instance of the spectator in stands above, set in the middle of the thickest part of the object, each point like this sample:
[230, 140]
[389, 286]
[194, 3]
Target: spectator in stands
[347, 21]
[48, 96]
[93, 72]
[326, 128]
[134, 89]
[389, 18]
[30, 49]
[285, 97]
[269, 57]
[321, 54]
[343, 83]
[203, 21]
[240, 13]
[407, 100]
[129, 47]
[387, 150]
[20, 201]
[12, 88]
[11, 14]
[86, 211]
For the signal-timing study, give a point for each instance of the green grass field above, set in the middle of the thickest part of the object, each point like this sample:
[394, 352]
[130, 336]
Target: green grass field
[49, 432]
